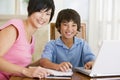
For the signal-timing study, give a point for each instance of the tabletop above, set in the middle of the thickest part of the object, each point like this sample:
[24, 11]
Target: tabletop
[75, 76]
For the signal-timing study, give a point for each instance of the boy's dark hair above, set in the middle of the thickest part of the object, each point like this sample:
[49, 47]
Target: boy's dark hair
[68, 15]
[37, 5]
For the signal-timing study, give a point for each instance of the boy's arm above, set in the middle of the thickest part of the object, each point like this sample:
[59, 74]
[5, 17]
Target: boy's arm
[46, 63]
[63, 66]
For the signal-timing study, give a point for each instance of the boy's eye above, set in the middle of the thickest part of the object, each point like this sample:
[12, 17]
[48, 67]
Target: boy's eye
[74, 25]
[64, 24]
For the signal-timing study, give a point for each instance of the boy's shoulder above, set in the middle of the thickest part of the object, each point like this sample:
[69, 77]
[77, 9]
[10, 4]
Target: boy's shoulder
[57, 41]
[76, 39]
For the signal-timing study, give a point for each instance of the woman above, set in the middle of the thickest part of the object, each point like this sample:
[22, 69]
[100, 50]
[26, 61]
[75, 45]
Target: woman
[17, 41]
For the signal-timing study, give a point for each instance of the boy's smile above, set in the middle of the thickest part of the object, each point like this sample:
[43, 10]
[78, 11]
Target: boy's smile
[68, 29]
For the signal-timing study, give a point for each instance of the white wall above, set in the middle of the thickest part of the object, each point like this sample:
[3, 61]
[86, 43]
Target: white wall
[81, 6]
[5, 7]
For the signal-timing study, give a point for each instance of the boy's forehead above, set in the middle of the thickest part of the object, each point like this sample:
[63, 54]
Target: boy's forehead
[66, 21]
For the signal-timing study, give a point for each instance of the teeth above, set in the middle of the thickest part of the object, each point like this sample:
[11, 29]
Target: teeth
[40, 22]
[68, 33]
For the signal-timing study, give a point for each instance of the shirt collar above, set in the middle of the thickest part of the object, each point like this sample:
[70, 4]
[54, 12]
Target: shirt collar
[60, 42]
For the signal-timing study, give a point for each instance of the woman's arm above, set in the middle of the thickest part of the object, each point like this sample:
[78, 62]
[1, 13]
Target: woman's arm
[8, 36]
[36, 63]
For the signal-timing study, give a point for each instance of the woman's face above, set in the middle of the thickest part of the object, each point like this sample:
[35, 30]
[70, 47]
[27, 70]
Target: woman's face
[68, 29]
[38, 19]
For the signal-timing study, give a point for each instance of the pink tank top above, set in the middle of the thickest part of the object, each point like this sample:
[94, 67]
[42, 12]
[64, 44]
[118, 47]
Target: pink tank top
[21, 52]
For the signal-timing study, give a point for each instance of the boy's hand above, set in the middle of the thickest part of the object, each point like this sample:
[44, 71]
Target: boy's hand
[88, 65]
[65, 66]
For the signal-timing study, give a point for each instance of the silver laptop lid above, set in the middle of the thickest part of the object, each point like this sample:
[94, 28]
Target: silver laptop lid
[107, 62]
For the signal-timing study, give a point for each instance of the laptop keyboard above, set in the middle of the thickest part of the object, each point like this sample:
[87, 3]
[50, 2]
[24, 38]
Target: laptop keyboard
[82, 69]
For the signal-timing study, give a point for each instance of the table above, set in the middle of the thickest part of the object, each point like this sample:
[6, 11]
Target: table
[76, 76]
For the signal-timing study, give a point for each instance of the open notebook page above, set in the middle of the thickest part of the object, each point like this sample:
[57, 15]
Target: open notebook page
[60, 73]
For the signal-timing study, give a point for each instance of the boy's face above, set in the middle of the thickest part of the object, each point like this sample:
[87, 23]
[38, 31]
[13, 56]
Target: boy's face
[68, 29]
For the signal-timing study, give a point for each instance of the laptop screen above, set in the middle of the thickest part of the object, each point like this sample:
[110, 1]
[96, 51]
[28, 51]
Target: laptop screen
[107, 61]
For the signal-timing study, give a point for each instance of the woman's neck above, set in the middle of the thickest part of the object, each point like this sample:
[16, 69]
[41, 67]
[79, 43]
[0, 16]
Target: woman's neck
[29, 31]
[28, 27]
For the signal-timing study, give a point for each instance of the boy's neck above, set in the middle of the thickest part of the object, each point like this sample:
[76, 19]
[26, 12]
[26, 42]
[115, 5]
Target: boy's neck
[68, 42]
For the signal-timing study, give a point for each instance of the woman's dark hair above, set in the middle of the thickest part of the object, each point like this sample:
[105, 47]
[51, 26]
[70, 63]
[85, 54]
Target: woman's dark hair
[37, 5]
[68, 15]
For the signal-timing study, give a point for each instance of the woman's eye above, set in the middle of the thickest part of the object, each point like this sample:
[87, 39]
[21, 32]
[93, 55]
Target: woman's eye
[48, 13]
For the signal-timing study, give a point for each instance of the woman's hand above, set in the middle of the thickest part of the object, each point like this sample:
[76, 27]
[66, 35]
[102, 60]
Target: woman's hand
[64, 66]
[37, 72]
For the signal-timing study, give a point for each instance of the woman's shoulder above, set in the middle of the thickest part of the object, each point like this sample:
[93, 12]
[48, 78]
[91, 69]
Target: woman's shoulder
[15, 21]
[12, 22]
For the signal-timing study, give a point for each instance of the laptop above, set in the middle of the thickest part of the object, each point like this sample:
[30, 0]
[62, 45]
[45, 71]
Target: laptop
[107, 62]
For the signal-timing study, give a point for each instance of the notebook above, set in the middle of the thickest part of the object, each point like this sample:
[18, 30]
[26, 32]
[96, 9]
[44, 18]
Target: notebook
[107, 61]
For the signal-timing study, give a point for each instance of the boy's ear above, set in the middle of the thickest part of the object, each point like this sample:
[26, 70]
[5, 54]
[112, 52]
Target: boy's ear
[76, 33]
[58, 29]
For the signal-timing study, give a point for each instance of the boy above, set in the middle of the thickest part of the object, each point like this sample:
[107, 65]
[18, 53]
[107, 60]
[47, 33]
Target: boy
[67, 51]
